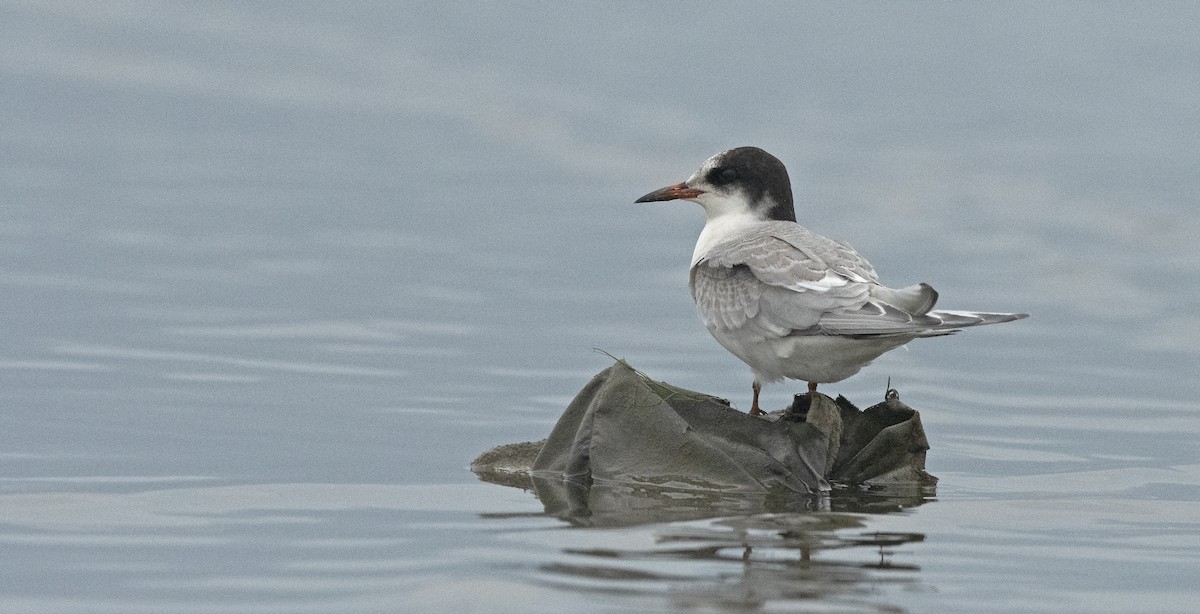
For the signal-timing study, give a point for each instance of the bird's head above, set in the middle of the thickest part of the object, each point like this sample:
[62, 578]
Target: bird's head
[745, 180]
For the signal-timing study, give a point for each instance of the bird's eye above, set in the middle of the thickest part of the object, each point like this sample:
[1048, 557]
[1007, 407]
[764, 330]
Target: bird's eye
[725, 175]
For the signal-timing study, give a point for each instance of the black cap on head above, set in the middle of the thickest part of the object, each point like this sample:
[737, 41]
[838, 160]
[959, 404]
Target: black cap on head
[760, 175]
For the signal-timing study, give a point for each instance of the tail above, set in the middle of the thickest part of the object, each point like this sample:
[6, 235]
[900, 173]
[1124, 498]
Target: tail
[950, 321]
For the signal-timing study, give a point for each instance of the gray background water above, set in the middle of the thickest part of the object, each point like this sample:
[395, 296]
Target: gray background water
[272, 275]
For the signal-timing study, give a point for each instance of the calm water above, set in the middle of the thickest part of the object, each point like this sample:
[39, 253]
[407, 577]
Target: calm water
[271, 277]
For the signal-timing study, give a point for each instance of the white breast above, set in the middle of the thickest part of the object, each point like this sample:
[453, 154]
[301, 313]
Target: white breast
[718, 229]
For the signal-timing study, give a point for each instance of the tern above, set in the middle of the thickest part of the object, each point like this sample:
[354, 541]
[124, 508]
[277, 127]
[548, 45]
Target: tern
[788, 302]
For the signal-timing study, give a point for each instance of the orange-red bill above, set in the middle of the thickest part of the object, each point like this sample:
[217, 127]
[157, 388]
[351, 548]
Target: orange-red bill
[671, 192]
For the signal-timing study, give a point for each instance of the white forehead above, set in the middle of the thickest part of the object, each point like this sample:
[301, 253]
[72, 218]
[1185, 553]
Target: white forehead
[708, 165]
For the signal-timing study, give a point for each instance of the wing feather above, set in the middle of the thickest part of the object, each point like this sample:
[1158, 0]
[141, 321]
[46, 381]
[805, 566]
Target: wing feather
[726, 297]
[778, 278]
[789, 255]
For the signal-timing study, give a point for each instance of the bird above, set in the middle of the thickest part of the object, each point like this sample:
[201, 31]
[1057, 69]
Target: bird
[788, 302]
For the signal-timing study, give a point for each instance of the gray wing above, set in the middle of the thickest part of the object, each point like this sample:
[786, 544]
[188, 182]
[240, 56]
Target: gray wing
[734, 298]
[778, 279]
[787, 254]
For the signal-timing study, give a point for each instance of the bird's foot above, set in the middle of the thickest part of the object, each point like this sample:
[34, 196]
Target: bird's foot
[754, 409]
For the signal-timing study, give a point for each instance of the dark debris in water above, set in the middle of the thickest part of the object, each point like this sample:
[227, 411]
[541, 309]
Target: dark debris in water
[629, 449]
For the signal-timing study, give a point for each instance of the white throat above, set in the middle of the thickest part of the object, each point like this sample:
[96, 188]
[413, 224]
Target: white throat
[720, 226]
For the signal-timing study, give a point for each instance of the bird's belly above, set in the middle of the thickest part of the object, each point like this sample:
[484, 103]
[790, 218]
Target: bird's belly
[813, 358]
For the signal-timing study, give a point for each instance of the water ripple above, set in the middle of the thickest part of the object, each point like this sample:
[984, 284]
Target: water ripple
[138, 354]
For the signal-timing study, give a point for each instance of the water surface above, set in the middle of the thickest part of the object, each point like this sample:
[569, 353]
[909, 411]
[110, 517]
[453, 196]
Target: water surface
[272, 277]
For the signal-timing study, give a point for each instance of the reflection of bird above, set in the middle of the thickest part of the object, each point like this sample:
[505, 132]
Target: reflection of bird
[786, 301]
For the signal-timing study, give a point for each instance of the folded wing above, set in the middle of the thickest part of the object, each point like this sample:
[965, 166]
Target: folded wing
[779, 279]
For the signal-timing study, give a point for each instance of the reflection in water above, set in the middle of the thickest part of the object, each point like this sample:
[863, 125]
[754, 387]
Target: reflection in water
[604, 504]
[733, 552]
[749, 562]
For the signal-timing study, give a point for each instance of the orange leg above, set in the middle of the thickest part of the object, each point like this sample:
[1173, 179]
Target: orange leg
[754, 409]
